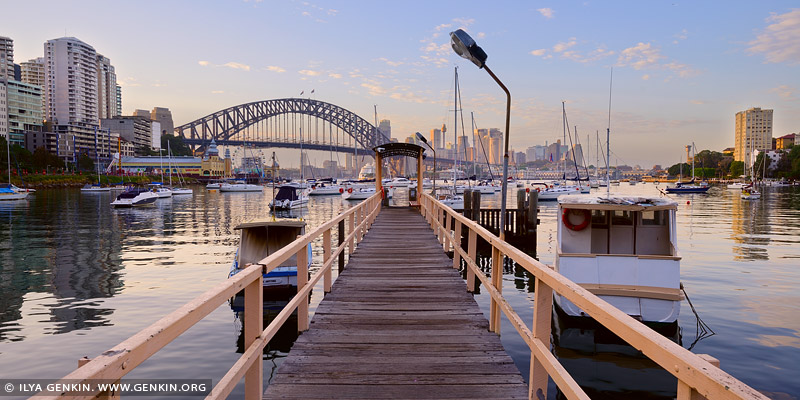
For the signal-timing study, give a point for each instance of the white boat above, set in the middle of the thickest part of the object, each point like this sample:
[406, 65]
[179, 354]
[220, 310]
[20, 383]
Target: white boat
[553, 192]
[325, 189]
[94, 188]
[18, 189]
[181, 191]
[6, 193]
[398, 182]
[259, 239]
[360, 192]
[483, 188]
[215, 184]
[135, 197]
[736, 185]
[288, 197]
[750, 193]
[624, 250]
[594, 184]
[240, 186]
[159, 189]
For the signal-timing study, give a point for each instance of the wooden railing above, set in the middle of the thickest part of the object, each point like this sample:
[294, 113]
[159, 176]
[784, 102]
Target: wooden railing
[115, 363]
[696, 376]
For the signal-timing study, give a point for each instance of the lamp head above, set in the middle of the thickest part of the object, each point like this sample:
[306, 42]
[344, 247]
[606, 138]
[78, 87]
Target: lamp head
[466, 47]
[422, 138]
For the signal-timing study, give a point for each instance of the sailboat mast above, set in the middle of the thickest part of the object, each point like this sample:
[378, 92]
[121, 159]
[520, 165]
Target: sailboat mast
[564, 126]
[474, 156]
[455, 130]
[169, 163]
[608, 137]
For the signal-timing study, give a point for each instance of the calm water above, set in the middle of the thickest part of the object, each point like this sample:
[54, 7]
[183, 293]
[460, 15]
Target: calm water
[77, 277]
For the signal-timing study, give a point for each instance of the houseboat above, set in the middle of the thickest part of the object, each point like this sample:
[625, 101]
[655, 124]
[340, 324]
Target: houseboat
[622, 249]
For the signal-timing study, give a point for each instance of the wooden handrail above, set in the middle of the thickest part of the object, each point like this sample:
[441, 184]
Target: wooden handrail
[121, 359]
[691, 370]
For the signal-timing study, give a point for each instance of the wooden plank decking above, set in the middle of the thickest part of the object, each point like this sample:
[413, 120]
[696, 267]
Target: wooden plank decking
[398, 323]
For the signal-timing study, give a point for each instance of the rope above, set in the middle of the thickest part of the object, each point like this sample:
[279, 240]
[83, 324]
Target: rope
[702, 329]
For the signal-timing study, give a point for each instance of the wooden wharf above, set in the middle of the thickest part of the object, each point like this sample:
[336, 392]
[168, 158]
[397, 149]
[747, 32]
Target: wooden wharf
[398, 323]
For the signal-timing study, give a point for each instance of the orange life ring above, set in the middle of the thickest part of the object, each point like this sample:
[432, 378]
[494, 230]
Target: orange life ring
[587, 217]
[341, 190]
[349, 190]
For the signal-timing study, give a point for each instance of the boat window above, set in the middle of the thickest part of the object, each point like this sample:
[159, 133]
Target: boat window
[620, 217]
[599, 219]
[653, 218]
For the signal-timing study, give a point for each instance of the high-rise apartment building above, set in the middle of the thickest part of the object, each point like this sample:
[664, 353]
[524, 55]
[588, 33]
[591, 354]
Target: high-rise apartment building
[106, 88]
[135, 129]
[3, 108]
[6, 58]
[436, 137]
[119, 100]
[32, 73]
[164, 117]
[753, 132]
[24, 105]
[70, 82]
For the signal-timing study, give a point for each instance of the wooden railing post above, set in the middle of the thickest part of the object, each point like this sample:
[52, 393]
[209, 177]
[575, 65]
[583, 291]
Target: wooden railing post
[326, 255]
[472, 253]
[446, 243]
[542, 314]
[302, 280]
[340, 240]
[497, 282]
[685, 392]
[456, 245]
[351, 226]
[253, 324]
[440, 225]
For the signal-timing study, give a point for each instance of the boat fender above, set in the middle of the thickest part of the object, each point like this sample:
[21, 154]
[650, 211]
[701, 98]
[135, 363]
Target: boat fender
[341, 190]
[527, 190]
[587, 217]
[349, 190]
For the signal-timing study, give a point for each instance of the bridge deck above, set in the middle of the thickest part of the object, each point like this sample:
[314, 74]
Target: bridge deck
[398, 323]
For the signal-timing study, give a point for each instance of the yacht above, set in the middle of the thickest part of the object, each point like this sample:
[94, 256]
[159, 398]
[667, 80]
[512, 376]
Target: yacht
[357, 192]
[622, 249]
[750, 193]
[95, 188]
[240, 186]
[159, 189]
[288, 197]
[325, 188]
[553, 192]
[398, 182]
[135, 197]
[6, 193]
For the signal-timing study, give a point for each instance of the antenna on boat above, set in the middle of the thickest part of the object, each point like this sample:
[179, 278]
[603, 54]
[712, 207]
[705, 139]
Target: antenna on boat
[608, 137]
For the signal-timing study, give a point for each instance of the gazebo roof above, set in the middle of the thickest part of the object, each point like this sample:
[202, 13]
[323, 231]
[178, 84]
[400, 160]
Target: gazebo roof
[399, 149]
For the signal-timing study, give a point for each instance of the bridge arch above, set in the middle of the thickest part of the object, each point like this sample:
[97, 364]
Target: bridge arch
[225, 124]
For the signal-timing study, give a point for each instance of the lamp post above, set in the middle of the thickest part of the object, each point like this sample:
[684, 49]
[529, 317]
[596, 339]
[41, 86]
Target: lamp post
[466, 47]
[422, 138]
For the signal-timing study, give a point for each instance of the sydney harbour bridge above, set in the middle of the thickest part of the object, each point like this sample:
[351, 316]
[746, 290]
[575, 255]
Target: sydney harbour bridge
[288, 123]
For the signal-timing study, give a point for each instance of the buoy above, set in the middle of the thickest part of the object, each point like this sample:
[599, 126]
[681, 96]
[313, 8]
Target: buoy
[527, 190]
[687, 202]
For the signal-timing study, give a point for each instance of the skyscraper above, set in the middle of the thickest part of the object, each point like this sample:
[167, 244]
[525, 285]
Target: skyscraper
[6, 58]
[436, 137]
[164, 116]
[753, 132]
[70, 82]
[385, 127]
[106, 88]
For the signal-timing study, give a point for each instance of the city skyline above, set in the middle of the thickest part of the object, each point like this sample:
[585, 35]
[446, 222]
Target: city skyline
[679, 77]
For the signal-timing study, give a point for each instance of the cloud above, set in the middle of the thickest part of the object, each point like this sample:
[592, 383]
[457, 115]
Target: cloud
[309, 72]
[437, 61]
[480, 35]
[546, 12]
[464, 22]
[780, 41]
[159, 84]
[374, 88]
[645, 77]
[203, 63]
[683, 35]
[217, 91]
[561, 46]
[786, 92]
[408, 97]
[236, 65]
[697, 102]
[335, 75]
[274, 68]
[128, 82]
[539, 52]
[442, 27]
[390, 62]
[642, 55]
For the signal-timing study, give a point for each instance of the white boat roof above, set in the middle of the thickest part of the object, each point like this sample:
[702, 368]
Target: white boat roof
[617, 202]
[269, 222]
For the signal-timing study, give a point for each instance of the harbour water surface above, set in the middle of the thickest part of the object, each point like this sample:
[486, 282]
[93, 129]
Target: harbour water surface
[77, 277]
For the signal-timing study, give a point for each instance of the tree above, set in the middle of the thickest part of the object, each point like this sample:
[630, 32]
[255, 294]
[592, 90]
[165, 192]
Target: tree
[675, 170]
[176, 145]
[42, 158]
[85, 163]
[737, 169]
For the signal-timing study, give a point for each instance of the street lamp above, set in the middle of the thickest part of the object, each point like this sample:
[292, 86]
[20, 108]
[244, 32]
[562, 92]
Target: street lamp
[466, 47]
[422, 138]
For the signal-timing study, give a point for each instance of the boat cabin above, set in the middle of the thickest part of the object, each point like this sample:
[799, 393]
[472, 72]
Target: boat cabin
[623, 249]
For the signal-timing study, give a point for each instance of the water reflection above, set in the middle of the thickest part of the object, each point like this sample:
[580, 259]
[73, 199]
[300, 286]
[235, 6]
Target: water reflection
[750, 228]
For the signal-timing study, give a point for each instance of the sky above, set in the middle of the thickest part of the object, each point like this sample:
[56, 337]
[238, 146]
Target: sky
[681, 69]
